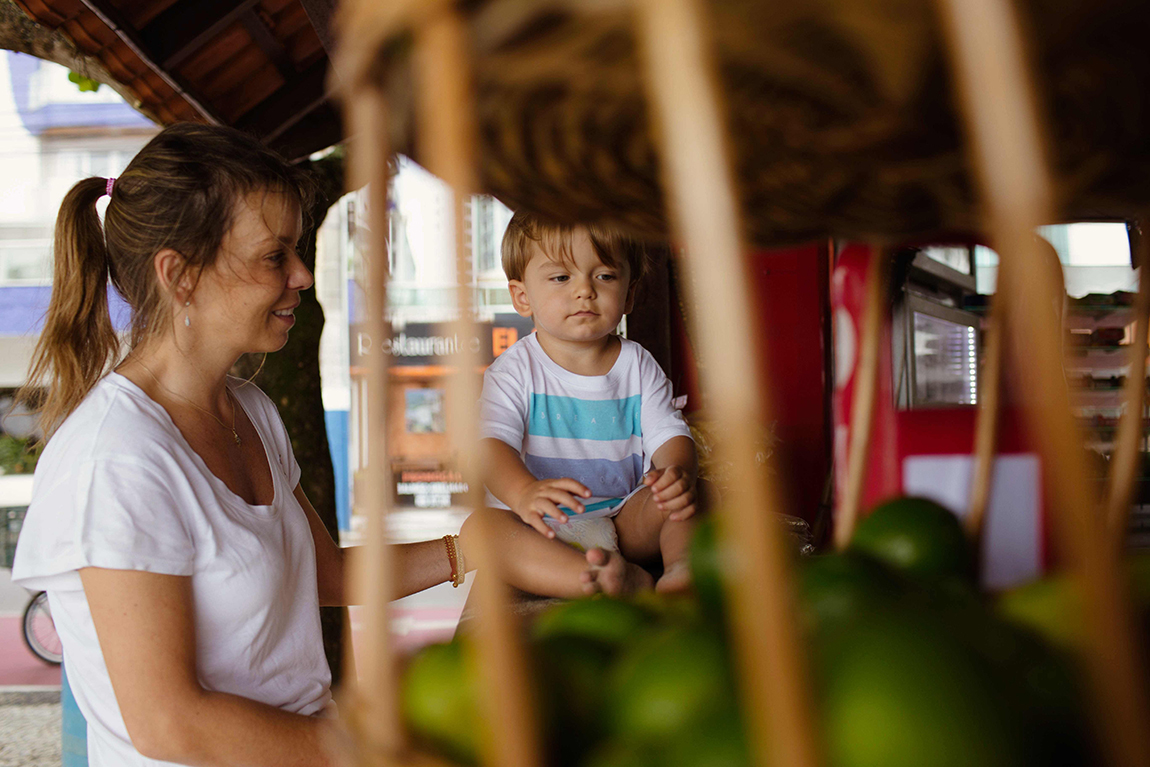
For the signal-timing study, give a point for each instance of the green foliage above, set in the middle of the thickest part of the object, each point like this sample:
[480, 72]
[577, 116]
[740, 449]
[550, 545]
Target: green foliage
[85, 84]
[18, 456]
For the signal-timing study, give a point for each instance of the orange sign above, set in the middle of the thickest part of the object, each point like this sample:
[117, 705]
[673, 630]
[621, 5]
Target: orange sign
[502, 339]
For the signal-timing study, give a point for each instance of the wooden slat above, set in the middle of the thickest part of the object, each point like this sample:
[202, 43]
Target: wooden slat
[1124, 462]
[863, 401]
[684, 99]
[189, 25]
[320, 13]
[320, 128]
[272, 47]
[289, 104]
[998, 104]
[446, 122]
[373, 715]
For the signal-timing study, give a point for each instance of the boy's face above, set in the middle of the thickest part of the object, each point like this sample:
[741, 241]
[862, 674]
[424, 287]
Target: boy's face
[579, 301]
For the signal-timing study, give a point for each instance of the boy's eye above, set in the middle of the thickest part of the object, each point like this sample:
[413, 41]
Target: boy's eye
[607, 276]
[560, 278]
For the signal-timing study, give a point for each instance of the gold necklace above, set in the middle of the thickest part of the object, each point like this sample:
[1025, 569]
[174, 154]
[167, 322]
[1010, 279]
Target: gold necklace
[232, 428]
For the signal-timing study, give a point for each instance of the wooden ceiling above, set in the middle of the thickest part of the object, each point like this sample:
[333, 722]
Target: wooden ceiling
[257, 65]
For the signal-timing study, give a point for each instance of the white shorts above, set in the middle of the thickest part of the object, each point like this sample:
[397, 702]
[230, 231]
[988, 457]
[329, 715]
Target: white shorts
[593, 530]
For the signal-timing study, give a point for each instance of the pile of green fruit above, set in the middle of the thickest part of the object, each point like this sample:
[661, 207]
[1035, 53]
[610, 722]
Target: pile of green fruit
[911, 664]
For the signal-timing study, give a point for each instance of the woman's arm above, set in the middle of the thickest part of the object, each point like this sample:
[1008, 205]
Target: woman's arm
[145, 625]
[418, 565]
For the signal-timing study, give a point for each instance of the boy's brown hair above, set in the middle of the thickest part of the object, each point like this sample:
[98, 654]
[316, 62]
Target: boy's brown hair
[525, 229]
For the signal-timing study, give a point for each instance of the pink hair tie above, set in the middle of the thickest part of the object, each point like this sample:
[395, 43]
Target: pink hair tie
[108, 188]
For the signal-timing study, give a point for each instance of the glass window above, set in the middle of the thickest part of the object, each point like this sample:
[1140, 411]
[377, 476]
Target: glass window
[423, 411]
[946, 363]
[25, 260]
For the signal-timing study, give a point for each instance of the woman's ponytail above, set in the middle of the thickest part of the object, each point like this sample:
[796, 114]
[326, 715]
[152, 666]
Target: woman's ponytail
[179, 192]
[78, 344]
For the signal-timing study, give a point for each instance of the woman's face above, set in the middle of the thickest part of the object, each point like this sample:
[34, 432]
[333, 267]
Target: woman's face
[246, 300]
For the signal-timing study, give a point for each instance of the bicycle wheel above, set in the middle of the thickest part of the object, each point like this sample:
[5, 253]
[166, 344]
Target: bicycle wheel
[40, 631]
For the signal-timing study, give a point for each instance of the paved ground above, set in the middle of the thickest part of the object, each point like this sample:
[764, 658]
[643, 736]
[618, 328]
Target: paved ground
[30, 729]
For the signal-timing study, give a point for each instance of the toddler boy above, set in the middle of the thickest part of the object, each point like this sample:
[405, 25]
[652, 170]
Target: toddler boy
[577, 427]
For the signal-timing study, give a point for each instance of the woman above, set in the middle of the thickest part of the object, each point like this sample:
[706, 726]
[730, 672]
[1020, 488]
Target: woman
[184, 565]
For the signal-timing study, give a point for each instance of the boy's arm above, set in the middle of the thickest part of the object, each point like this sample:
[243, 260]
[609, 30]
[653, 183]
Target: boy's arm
[531, 499]
[674, 469]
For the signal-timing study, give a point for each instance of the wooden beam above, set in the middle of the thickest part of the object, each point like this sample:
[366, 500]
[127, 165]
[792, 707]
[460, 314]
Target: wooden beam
[115, 21]
[320, 13]
[319, 130]
[293, 101]
[269, 44]
[689, 121]
[188, 25]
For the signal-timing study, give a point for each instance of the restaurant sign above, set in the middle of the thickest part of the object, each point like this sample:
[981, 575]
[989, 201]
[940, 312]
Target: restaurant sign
[419, 344]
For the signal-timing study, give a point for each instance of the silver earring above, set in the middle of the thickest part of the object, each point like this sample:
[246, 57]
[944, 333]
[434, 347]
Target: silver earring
[187, 319]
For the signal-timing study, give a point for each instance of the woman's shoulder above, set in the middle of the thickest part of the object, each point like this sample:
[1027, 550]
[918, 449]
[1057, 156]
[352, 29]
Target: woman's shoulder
[115, 420]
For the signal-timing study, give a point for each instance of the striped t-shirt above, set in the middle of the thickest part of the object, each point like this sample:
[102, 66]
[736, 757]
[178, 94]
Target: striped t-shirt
[598, 430]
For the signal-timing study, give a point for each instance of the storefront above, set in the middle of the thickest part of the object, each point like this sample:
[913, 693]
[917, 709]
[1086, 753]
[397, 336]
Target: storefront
[424, 465]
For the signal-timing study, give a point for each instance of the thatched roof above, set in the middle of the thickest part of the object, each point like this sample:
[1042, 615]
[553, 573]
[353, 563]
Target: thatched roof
[841, 112]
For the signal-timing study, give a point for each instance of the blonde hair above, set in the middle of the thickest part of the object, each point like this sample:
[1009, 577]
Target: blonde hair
[178, 192]
[554, 240]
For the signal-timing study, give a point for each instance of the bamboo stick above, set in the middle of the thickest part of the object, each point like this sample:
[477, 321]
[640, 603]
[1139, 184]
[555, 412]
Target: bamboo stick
[445, 111]
[863, 401]
[1002, 124]
[986, 423]
[1124, 463]
[373, 715]
[684, 99]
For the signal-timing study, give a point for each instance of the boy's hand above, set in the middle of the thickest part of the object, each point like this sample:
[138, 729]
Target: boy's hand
[543, 497]
[673, 488]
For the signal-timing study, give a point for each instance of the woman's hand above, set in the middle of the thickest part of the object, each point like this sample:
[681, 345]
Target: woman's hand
[543, 497]
[673, 489]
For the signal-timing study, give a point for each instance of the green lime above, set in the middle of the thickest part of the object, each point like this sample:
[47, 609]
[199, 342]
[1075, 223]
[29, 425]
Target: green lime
[844, 587]
[600, 619]
[917, 536]
[623, 754]
[1050, 607]
[1041, 685]
[440, 700]
[901, 691]
[668, 682]
[717, 742]
[571, 674]
[1053, 607]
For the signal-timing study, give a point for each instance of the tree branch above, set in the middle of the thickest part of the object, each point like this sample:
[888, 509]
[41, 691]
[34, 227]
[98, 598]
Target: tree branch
[19, 33]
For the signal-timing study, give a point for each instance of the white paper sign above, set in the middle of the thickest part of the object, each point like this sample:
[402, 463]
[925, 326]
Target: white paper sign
[1012, 532]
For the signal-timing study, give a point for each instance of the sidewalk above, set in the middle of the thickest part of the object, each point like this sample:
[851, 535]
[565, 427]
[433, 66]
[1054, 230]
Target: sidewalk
[30, 729]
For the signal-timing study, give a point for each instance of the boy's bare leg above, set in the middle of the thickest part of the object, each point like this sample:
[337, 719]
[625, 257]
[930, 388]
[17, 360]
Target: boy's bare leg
[645, 533]
[548, 567]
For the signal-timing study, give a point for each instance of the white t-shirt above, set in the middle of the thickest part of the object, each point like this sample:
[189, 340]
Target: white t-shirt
[118, 487]
[599, 430]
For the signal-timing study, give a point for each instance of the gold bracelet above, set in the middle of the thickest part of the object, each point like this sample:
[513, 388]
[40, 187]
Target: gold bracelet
[461, 563]
[450, 542]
